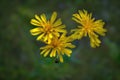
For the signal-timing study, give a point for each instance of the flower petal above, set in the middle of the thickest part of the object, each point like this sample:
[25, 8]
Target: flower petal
[43, 51]
[57, 23]
[53, 53]
[35, 22]
[53, 17]
[70, 45]
[61, 58]
[43, 17]
[61, 30]
[39, 37]
[46, 53]
[75, 19]
[36, 31]
[38, 18]
[67, 52]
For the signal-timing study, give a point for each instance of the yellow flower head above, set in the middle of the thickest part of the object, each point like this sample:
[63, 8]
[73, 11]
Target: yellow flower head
[47, 29]
[88, 26]
[58, 47]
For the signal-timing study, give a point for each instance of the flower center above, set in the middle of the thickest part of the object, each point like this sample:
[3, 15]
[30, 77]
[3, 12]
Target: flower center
[88, 26]
[48, 27]
[55, 43]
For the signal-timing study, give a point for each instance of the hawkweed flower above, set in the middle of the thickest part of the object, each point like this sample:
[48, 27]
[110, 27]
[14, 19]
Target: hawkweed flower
[47, 29]
[88, 27]
[58, 47]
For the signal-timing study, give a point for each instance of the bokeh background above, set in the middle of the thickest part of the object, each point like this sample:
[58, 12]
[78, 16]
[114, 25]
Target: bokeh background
[19, 51]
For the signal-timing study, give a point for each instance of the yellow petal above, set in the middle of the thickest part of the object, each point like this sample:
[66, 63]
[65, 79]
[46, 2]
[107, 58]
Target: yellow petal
[56, 34]
[80, 33]
[75, 19]
[45, 38]
[50, 36]
[67, 52]
[36, 31]
[45, 47]
[43, 17]
[43, 51]
[94, 42]
[97, 40]
[61, 30]
[77, 16]
[53, 17]
[35, 22]
[53, 53]
[38, 18]
[39, 37]
[70, 45]
[61, 58]
[49, 40]
[60, 27]
[57, 23]
[58, 51]
[100, 31]
[46, 53]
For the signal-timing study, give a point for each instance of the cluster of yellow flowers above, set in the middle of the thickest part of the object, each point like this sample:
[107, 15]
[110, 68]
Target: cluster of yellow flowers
[53, 33]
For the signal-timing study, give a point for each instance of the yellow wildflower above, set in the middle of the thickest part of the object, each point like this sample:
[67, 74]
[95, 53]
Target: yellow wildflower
[47, 29]
[58, 47]
[88, 26]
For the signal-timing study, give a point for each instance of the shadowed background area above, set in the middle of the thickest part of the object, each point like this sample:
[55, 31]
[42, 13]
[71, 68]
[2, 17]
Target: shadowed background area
[19, 51]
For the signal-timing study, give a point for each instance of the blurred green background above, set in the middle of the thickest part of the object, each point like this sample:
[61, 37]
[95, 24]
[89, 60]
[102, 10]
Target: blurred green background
[19, 51]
